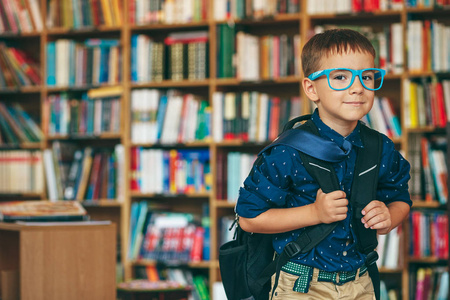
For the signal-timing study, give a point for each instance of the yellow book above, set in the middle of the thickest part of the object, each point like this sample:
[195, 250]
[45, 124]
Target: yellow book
[103, 92]
[106, 9]
[116, 5]
[413, 112]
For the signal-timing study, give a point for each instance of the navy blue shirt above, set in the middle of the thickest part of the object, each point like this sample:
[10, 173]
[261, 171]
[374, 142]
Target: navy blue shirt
[280, 180]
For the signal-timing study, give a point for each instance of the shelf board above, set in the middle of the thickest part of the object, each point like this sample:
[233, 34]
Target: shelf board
[239, 82]
[83, 30]
[172, 84]
[147, 262]
[424, 204]
[390, 271]
[102, 203]
[166, 26]
[104, 135]
[279, 18]
[21, 90]
[194, 144]
[19, 195]
[25, 145]
[426, 260]
[224, 203]
[18, 35]
[135, 194]
[358, 15]
[54, 89]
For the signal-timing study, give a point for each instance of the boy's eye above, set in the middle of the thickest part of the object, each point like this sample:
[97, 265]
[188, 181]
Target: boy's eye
[367, 77]
[340, 75]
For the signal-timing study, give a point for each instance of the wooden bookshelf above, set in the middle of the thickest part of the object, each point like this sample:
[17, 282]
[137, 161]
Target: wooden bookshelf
[300, 23]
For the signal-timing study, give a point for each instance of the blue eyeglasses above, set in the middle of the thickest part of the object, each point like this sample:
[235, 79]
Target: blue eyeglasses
[341, 78]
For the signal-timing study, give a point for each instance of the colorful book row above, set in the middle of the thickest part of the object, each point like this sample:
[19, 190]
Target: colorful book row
[165, 237]
[70, 115]
[428, 46]
[17, 126]
[168, 118]
[17, 68]
[92, 62]
[253, 9]
[351, 6]
[83, 174]
[20, 16]
[427, 103]
[428, 234]
[251, 116]
[84, 13]
[167, 11]
[21, 172]
[173, 171]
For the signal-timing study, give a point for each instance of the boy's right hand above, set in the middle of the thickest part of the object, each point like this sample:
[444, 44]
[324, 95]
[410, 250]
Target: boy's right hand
[331, 207]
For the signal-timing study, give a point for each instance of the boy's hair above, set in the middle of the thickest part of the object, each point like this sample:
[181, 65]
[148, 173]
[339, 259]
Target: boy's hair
[334, 41]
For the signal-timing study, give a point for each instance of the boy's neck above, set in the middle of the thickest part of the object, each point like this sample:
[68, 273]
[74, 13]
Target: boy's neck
[344, 128]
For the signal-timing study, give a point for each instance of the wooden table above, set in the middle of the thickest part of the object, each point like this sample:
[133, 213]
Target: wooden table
[54, 261]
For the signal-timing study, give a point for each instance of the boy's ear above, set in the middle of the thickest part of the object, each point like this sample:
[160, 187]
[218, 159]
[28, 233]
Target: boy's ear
[310, 89]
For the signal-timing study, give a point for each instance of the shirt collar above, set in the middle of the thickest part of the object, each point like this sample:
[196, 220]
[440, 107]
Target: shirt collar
[325, 131]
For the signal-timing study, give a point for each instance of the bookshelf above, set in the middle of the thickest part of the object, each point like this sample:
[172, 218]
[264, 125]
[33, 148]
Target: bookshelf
[216, 80]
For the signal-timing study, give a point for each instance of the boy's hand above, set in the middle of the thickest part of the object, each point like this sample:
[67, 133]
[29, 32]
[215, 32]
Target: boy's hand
[331, 207]
[377, 216]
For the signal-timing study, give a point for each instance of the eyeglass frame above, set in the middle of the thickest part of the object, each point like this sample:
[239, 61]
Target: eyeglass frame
[355, 73]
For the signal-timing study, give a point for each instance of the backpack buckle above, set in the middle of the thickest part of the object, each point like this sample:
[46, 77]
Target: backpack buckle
[371, 258]
[292, 249]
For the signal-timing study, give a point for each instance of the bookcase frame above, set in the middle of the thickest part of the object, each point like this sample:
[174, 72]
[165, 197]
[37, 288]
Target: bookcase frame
[301, 22]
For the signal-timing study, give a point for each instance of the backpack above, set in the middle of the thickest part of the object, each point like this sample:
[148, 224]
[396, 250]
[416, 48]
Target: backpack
[247, 263]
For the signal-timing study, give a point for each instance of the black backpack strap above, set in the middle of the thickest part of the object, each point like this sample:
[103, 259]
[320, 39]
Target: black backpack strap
[364, 190]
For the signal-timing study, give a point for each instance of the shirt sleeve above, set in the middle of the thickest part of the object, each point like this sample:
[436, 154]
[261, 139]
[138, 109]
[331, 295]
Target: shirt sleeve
[267, 185]
[394, 175]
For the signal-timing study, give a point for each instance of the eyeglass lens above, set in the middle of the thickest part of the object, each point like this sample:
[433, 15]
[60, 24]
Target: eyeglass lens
[342, 79]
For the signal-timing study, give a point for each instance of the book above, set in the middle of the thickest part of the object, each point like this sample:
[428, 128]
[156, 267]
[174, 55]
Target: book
[42, 211]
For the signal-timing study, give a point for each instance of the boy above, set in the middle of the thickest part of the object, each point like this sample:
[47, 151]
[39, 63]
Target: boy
[281, 198]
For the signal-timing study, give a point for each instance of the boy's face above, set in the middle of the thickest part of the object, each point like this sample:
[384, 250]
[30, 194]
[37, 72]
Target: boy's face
[341, 109]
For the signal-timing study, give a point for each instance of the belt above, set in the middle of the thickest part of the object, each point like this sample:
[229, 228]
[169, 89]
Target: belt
[305, 274]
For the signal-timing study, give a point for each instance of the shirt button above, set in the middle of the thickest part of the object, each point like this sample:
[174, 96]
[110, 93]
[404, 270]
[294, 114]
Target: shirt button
[347, 243]
[344, 253]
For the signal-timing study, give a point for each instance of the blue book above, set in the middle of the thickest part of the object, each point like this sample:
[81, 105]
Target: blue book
[72, 63]
[134, 77]
[160, 116]
[104, 64]
[133, 220]
[51, 63]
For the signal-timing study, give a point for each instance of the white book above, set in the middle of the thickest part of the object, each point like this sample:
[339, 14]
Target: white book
[392, 249]
[217, 116]
[263, 109]
[397, 48]
[446, 88]
[406, 103]
[253, 118]
[36, 14]
[120, 177]
[50, 176]
[218, 291]
[381, 249]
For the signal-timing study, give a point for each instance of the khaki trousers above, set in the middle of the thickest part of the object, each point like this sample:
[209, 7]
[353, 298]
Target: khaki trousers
[361, 288]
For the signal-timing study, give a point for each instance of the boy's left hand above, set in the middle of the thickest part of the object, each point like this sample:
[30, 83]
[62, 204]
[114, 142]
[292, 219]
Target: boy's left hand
[377, 216]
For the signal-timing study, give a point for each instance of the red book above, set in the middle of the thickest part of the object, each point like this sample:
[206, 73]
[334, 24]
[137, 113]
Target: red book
[440, 102]
[134, 183]
[197, 247]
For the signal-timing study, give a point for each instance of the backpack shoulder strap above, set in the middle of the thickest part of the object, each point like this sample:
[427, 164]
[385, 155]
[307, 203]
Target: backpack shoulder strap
[364, 187]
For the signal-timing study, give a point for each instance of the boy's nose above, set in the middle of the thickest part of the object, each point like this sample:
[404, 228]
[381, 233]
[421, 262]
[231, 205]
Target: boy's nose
[357, 86]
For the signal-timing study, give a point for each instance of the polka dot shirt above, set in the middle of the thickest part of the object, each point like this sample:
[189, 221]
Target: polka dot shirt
[280, 180]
